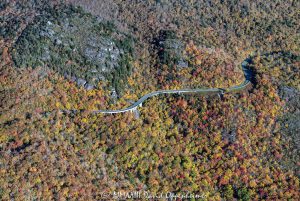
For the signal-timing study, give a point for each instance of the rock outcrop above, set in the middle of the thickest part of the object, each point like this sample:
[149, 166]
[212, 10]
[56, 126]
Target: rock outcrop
[75, 44]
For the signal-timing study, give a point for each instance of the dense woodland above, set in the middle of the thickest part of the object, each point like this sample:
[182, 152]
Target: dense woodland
[241, 146]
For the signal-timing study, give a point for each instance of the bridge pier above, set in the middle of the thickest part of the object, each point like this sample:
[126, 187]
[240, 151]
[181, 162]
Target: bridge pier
[136, 114]
[215, 91]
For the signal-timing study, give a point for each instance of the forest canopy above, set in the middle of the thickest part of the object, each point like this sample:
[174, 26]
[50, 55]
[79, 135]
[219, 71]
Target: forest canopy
[60, 61]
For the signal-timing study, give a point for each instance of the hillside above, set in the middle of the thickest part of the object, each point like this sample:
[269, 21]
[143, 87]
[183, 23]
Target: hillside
[60, 61]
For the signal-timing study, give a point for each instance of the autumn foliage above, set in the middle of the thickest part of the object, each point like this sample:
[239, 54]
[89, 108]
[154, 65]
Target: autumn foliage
[222, 147]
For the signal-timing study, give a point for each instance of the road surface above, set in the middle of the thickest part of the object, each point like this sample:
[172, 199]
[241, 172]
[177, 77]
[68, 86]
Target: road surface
[248, 78]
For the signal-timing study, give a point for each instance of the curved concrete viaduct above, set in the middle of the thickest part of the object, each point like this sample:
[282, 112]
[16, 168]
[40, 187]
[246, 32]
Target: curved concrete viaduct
[248, 78]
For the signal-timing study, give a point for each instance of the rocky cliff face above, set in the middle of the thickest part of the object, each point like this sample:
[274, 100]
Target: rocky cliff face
[75, 44]
[171, 49]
